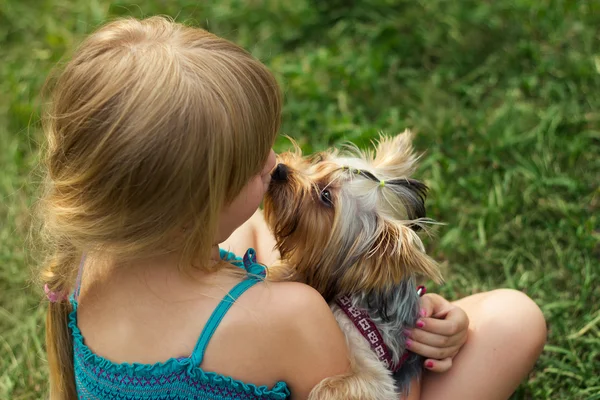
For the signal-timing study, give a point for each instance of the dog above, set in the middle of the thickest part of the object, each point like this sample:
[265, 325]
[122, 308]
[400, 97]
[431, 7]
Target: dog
[346, 223]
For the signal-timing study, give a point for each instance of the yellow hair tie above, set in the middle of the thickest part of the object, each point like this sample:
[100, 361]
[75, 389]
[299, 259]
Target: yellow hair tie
[382, 183]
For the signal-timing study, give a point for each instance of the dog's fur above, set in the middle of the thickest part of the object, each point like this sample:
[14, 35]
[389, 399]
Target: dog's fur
[344, 232]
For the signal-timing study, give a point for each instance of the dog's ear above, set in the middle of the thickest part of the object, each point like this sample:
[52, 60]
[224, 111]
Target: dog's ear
[404, 198]
[395, 253]
[394, 156]
[410, 253]
[402, 250]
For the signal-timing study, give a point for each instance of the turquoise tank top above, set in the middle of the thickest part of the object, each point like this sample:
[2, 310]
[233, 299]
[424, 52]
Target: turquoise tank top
[176, 378]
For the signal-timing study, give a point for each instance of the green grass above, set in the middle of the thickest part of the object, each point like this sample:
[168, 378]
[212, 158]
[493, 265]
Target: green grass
[504, 95]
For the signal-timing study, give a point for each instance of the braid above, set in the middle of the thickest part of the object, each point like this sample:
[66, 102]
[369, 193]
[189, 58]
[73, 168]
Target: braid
[59, 276]
[60, 270]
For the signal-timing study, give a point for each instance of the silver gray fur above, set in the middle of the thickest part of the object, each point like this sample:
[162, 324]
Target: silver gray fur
[394, 312]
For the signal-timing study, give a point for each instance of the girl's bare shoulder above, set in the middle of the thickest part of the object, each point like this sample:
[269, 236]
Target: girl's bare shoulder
[282, 330]
[287, 310]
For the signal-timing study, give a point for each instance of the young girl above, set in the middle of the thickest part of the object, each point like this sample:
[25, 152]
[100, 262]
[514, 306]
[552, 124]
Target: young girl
[159, 148]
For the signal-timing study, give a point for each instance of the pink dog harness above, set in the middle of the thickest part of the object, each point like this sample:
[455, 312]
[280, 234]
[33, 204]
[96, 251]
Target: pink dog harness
[365, 325]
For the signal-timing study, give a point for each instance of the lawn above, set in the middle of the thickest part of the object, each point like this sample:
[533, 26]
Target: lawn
[504, 96]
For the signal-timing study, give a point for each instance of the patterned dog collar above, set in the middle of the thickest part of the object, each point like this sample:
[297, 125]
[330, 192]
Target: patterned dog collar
[365, 325]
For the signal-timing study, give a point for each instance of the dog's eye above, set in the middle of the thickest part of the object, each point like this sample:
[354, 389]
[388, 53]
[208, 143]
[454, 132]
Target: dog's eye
[326, 197]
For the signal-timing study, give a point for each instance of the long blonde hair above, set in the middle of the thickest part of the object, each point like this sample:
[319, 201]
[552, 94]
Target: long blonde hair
[153, 126]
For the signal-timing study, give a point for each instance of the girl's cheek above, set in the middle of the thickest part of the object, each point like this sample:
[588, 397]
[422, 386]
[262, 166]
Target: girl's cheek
[266, 180]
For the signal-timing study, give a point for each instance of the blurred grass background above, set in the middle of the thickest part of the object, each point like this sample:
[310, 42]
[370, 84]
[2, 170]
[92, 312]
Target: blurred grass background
[504, 96]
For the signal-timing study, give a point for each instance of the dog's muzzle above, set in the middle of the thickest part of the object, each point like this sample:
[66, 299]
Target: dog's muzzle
[280, 174]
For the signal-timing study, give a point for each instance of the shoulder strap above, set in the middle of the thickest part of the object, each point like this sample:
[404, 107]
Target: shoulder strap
[78, 280]
[216, 317]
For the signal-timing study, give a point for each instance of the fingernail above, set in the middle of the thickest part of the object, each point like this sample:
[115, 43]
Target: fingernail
[423, 312]
[429, 364]
[420, 324]
[407, 332]
[408, 342]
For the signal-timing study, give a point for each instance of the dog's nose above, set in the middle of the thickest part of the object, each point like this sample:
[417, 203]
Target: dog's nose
[280, 173]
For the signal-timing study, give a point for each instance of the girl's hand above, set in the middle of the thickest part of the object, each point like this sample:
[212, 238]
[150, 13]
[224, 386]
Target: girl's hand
[441, 331]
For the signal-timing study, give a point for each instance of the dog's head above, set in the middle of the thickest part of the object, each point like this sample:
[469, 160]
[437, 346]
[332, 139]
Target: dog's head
[347, 221]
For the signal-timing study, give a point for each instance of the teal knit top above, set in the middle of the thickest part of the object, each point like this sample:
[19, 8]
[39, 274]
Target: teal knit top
[176, 378]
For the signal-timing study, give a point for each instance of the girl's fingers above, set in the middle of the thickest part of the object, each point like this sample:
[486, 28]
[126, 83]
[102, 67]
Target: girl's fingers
[433, 304]
[438, 326]
[436, 353]
[433, 339]
[458, 317]
[438, 365]
[455, 322]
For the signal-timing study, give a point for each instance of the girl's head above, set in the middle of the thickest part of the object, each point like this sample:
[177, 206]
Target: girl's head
[155, 130]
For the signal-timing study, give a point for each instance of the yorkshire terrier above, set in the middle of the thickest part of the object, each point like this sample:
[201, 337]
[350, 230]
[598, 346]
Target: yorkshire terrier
[346, 224]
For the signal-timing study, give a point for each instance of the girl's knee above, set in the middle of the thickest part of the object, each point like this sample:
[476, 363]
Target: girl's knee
[517, 317]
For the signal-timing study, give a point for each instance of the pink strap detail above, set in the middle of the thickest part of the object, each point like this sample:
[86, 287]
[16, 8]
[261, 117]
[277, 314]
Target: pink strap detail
[368, 329]
[54, 297]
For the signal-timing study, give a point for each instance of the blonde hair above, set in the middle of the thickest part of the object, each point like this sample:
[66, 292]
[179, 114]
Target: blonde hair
[154, 126]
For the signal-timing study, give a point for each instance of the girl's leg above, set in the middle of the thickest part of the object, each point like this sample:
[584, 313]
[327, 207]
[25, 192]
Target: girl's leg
[253, 233]
[507, 333]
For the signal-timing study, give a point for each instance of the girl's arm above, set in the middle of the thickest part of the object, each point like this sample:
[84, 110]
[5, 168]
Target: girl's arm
[313, 346]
